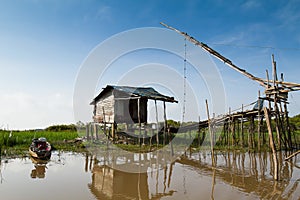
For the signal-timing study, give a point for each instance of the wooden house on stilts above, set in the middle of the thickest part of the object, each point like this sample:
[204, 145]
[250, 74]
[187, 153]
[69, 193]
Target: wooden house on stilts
[125, 105]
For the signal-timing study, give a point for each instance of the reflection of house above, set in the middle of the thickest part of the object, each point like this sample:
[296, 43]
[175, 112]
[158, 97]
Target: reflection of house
[124, 104]
[108, 183]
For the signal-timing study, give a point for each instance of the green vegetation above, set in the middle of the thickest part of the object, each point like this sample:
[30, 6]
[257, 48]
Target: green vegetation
[17, 142]
[295, 123]
[62, 137]
[64, 128]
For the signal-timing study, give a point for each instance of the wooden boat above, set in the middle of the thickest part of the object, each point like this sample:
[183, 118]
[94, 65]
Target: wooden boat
[40, 148]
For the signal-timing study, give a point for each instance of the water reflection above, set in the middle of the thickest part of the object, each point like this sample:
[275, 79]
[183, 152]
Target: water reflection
[250, 174]
[71, 175]
[109, 183]
[40, 167]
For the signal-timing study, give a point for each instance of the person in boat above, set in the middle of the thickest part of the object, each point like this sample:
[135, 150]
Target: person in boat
[40, 144]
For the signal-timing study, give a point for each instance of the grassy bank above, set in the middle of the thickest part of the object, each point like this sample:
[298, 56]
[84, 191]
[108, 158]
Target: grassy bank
[17, 142]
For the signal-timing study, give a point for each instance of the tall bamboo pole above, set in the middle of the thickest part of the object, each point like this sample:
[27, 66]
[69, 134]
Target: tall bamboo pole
[258, 122]
[242, 126]
[139, 119]
[210, 133]
[272, 145]
[157, 128]
[165, 123]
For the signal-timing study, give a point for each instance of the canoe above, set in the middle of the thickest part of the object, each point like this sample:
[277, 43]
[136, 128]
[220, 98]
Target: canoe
[40, 148]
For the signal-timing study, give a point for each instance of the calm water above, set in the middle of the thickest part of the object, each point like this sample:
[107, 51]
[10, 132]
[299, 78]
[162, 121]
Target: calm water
[83, 176]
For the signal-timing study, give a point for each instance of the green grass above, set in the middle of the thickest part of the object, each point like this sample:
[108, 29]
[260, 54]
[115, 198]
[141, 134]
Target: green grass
[16, 142]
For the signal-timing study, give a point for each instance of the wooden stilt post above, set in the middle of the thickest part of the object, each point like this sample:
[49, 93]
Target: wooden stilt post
[288, 126]
[96, 131]
[165, 123]
[157, 128]
[199, 131]
[87, 128]
[272, 145]
[229, 127]
[286, 116]
[91, 131]
[237, 131]
[258, 122]
[233, 131]
[251, 133]
[242, 126]
[275, 103]
[210, 133]
[139, 120]
[104, 123]
[268, 85]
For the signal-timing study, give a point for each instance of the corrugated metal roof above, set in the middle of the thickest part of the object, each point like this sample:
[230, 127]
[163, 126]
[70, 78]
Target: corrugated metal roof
[146, 92]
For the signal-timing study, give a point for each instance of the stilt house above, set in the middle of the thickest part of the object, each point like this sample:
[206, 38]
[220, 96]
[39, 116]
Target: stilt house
[124, 104]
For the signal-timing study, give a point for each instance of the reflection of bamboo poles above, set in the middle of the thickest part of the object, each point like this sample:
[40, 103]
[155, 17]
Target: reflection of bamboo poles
[170, 173]
[139, 179]
[292, 155]
[213, 184]
[165, 178]
[86, 162]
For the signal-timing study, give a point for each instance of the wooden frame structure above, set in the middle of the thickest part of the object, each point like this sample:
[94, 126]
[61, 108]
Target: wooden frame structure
[276, 92]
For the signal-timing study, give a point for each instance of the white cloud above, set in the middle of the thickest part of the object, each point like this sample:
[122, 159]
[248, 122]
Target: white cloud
[104, 13]
[252, 4]
[289, 15]
[25, 111]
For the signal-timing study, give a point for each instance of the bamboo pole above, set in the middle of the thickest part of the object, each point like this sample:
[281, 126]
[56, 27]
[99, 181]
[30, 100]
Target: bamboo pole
[104, 122]
[288, 126]
[87, 128]
[165, 124]
[251, 144]
[242, 126]
[199, 131]
[157, 129]
[232, 127]
[96, 131]
[275, 85]
[272, 145]
[229, 127]
[268, 85]
[258, 122]
[139, 119]
[210, 133]
[286, 116]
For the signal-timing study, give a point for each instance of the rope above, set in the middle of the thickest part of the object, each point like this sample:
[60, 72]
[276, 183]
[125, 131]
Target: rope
[184, 82]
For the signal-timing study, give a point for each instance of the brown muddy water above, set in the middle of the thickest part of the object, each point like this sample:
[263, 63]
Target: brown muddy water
[83, 176]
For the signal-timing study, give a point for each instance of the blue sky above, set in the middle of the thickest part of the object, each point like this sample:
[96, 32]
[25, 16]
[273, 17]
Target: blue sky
[44, 43]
